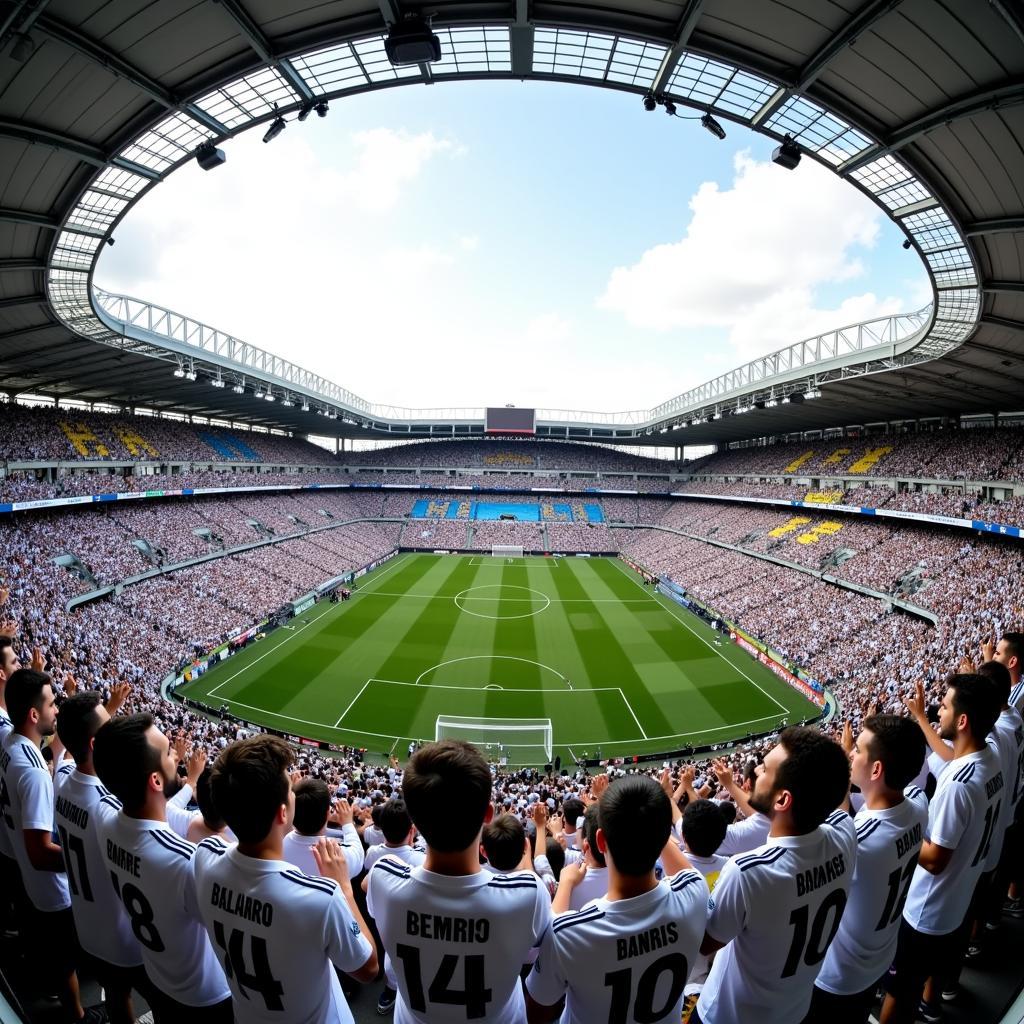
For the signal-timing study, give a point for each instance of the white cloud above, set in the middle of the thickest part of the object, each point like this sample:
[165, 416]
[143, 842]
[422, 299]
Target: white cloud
[753, 259]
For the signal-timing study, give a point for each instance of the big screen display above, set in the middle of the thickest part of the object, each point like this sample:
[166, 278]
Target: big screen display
[510, 420]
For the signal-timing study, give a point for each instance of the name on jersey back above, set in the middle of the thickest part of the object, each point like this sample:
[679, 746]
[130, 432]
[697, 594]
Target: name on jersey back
[647, 941]
[821, 874]
[447, 929]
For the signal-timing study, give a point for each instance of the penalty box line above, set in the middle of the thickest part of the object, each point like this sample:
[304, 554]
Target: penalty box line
[491, 689]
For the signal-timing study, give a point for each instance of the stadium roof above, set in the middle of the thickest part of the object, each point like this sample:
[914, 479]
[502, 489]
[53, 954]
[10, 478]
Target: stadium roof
[920, 103]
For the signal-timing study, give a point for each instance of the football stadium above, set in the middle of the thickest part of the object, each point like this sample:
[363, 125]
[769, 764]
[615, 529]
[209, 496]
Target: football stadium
[709, 711]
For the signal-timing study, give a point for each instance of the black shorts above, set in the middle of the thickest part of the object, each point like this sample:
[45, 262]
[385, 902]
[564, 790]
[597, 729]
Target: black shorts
[918, 956]
[169, 1011]
[113, 978]
[51, 941]
[828, 1008]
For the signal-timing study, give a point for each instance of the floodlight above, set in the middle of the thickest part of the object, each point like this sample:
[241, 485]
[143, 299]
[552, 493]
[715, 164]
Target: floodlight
[305, 406]
[238, 389]
[787, 155]
[190, 375]
[670, 108]
[277, 126]
[179, 372]
[259, 393]
[713, 126]
[411, 41]
[321, 108]
[269, 396]
[907, 243]
[208, 156]
[217, 382]
[650, 103]
[23, 48]
[305, 111]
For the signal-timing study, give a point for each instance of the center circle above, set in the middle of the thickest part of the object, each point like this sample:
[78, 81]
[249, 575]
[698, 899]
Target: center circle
[461, 598]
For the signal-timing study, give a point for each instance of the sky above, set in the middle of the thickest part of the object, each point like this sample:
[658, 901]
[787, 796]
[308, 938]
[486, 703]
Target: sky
[487, 243]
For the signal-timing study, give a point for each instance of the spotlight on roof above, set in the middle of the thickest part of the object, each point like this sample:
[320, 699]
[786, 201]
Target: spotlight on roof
[269, 396]
[238, 389]
[787, 155]
[287, 401]
[713, 126]
[259, 393]
[208, 156]
[23, 48]
[179, 372]
[217, 382]
[907, 243]
[412, 41]
[670, 107]
[321, 108]
[650, 102]
[277, 126]
[306, 110]
[305, 406]
[190, 375]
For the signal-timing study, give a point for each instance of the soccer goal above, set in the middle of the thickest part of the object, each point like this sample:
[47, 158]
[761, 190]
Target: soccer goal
[518, 740]
[507, 550]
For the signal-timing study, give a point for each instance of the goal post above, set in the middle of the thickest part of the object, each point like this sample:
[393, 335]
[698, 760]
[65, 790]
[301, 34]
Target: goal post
[520, 740]
[507, 550]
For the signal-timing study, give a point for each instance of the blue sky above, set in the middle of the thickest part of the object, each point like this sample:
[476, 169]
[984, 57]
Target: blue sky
[542, 244]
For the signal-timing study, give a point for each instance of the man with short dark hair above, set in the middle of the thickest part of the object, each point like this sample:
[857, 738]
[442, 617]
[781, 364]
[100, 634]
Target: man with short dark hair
[312, 811]
[152, 870]
[884, 759]
[626, 955]
[1010, 653]
[394, 822]
[504, 844]
[104, 930]
[27, 810]
[457, 936]
[9, 895]
[775, 910]
[279, 932]
[962, 817]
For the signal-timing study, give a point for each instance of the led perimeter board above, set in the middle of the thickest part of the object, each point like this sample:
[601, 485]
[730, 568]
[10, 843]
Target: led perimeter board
[510, 420]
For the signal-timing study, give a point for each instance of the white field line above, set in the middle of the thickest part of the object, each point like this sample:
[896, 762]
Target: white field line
[293, 633]
[490, 688]
[291, 636]
[629, 708]
[351, 702]
[306, 721]
[671, 611]
[552, 600]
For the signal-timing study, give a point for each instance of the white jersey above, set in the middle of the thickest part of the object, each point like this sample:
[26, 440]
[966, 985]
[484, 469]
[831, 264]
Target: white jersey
[746, 835]
[152, 868]
[710, 868]
[372, 835]
[26, 803]
[406, 854]
[1007, 741]
[457, 942]
[888, 843]
[778, 909]
[642, 950]
[298, 850]
[100, 918]
[280, 933]
[1017, 697]
[6, 847]
[594, 886]
[962, 817]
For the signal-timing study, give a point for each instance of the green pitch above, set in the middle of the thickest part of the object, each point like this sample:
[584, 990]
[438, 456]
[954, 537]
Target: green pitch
[579, 641]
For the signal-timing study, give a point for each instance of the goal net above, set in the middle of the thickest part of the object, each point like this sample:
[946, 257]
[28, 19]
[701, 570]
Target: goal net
[517, 740]
[507, 550]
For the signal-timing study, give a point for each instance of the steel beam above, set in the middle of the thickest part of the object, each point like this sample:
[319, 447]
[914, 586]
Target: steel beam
[692, 11]
[12, 266]
[22, 300]
[994, 226]
[955, 110]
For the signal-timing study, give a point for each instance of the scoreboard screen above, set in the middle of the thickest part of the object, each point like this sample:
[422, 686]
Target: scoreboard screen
[510, 420]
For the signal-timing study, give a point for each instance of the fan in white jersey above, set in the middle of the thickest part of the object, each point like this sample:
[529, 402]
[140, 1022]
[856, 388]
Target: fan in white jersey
[884, 759]
[151, 868]
[279, 932]
[399, 832]
[312, 807]
[27, 812]
[104, 929]
[776, 910]
[9, 664]
[594, 883]
[625, 956]
[962, 817]
[457, 936]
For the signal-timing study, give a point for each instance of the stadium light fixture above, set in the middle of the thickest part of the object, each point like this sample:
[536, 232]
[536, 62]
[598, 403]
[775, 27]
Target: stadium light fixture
[239, 389]
[286, 401]
[788, 154]
[179, 372]
[270, 397]
[305, 406]
[412, 41]
[277, 126]
[812, 393]
[190, 374]
[307, 109]
[208, 156]
[713, 126]
[650, 102]
[217, 382]
[259, 393]
[321, 108]
[670, 107]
